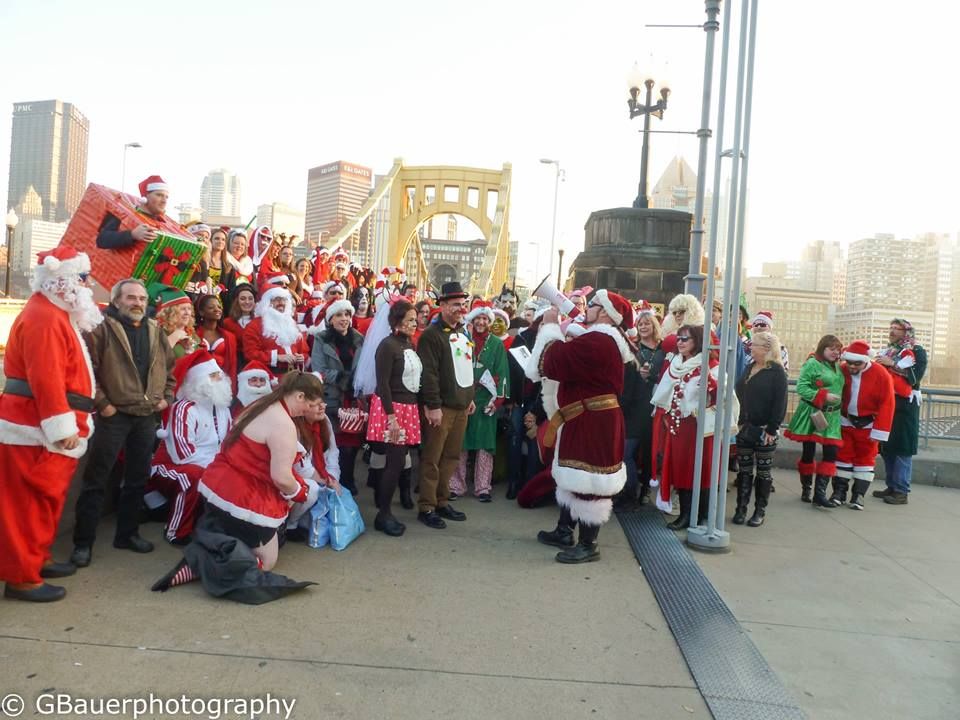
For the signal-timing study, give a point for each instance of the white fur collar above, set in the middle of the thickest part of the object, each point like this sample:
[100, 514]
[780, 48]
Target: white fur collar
[626, 353]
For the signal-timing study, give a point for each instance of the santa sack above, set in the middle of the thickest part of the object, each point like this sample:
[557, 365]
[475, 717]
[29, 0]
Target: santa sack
[319, 523]
[343, 517]
[353, 420]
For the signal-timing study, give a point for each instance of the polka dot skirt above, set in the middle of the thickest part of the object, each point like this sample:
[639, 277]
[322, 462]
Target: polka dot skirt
[408, 415]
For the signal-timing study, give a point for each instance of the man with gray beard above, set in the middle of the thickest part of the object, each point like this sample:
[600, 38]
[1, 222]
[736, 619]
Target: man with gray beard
[192, 433]
[133, 369]
[273, 336]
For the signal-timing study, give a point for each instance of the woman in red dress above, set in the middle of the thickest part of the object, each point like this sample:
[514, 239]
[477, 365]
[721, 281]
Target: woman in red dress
[214, 338]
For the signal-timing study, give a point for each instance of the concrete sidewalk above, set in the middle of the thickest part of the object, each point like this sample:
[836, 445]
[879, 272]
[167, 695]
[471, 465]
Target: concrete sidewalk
[857, 612]
[476, 621]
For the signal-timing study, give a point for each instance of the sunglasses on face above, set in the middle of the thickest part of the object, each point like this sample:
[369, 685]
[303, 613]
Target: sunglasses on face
[683, 338]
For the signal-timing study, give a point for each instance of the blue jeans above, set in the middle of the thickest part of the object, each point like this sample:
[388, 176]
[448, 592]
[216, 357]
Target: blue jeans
[521, 469]
[630, 448]
[899, 469]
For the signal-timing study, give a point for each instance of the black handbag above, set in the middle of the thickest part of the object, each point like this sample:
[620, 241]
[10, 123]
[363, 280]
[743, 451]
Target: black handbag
[750, 434]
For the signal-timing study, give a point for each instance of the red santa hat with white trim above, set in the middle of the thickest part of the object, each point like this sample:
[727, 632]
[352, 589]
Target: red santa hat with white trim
[270, 293]
[255, 368]
[764, 317]
[857, 351]
[189, 368]
[152, 184]
[275, 279]
[480, 307]
[338, 306]
[616, 306]
[61, 261]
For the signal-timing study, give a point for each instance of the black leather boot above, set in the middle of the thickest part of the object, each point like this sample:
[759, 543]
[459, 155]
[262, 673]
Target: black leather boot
[860, 488]
[763, 497]
[839, 496]
[820, 492]
[806, 483]
[744, 489]
[686, 502]
[586, 548]
[562, 535]
[406, 501]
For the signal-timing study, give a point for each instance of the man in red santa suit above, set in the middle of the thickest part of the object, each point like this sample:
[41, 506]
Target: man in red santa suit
[273, 337]
[44, 420]
[193, 431]
[866, 415]
[253, 382]
[586, 426]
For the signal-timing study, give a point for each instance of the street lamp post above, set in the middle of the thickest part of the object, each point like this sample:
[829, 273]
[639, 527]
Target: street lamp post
[556, 192]
[12, 221]
[123, 174]
[560, 271]
[637, 80]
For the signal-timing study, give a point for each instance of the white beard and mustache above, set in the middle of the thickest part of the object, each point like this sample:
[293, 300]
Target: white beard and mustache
[280, 326]
[205, 391]
[76, 299]
[247, 394]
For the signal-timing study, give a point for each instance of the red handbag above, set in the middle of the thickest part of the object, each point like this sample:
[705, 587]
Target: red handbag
[353, 420]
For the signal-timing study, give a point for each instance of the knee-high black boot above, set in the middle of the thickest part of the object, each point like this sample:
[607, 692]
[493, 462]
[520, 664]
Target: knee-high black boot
[820, 492]
[686, 502]
[763, 496]
[562, 535]
[406, 500]
[586, 548]
[744, 489]
[839, 496]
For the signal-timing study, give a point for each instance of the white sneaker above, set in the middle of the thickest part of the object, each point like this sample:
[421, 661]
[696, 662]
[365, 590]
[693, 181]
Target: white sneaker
[856, 502]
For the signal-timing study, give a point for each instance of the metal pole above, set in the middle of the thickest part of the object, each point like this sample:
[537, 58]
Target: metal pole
[123, 172]
[560, 271]
[695, 277]
[553, 232]
[6, 284]
[728, 420]
[641, 200]
[711, 278]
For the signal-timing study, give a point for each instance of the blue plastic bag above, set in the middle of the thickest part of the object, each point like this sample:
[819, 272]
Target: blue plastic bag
[343, 515]
[319, 523]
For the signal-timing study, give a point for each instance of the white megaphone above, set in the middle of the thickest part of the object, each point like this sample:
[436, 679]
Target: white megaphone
[546, 291]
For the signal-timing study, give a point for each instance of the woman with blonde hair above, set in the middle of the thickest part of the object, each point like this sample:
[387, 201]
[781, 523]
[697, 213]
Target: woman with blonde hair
[762, 393]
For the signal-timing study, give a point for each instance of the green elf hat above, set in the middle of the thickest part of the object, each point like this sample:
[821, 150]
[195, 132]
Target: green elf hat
[163, 296]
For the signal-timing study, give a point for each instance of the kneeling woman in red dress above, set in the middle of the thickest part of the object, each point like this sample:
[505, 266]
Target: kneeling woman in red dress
[250, 485]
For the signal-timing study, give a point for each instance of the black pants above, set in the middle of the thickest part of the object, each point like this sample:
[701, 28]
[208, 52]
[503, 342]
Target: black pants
[136, 435]
[348, 460]
[809, 452]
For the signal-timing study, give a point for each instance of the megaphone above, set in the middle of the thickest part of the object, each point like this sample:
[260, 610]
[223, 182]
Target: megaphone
[547, 291]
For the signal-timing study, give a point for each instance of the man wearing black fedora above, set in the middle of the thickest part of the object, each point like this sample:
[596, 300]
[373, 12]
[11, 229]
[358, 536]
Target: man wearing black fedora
[446, 392]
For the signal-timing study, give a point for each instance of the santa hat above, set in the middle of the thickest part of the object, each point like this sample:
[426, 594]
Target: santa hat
[61, 261]
[190, 368]
[502, 314]
[764, 317]
[163, 296]
[256, 369]
[341, 258]
[270, 294]
[198, 228]
[329, 284]
[642, 307]
[275, 279]
[616, 306]
[152, 184]
[580, 292]
[480, 307]
[338, 307]
[260, 241]
[857, 351]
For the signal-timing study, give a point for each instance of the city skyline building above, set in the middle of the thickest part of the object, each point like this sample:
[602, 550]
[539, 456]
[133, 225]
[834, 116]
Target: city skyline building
[220, 193]
[282, 218]
[49, 142]
[31, 236]
[335, 193]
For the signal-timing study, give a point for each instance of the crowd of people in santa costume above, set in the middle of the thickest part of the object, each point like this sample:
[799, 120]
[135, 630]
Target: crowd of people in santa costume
[229, 405]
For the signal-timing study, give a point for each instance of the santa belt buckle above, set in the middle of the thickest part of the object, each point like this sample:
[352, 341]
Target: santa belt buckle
[21, 388]
[575, 409]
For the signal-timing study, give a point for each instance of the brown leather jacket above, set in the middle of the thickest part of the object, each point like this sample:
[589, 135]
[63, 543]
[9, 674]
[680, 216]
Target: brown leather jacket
[118, 380]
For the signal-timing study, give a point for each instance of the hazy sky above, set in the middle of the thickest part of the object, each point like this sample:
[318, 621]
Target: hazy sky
[854, 105]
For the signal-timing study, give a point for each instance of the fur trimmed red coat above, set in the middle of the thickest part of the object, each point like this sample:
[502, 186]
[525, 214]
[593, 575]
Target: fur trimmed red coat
[588, 460]
[266, 350]
[871, 392]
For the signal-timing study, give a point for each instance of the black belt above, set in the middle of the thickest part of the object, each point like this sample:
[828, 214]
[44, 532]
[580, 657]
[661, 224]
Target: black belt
[860, 421]
[16, 386]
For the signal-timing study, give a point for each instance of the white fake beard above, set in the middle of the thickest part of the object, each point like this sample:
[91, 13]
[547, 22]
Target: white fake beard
[209, 392]
[76, 299]
[247, 394]
[280, 327]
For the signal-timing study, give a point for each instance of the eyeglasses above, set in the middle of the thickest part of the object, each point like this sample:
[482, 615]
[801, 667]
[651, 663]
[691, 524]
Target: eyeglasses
[683, 338]
[760, 325]
[83, 276]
